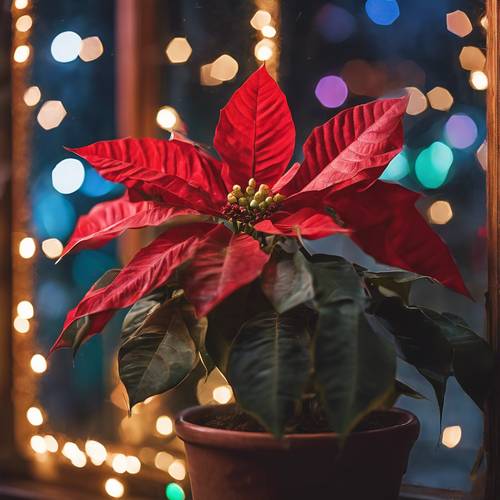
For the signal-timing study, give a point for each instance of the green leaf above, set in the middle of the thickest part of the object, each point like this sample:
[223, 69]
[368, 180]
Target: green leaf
[286, 281]
[355, 368]
[160, 353]
[77, 332]
[440, 345]
[392, 283]
[269, 366]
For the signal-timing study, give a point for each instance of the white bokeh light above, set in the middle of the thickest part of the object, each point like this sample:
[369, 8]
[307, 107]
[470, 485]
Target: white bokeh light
[68, 176]
[66, 46]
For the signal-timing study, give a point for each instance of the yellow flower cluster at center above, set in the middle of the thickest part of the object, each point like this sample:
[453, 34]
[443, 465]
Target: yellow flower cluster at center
[253, 198]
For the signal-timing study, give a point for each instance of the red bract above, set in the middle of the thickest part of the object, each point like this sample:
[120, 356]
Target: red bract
[248, 195]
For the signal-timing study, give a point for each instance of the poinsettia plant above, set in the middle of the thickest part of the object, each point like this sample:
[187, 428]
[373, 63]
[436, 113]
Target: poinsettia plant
[228, 281]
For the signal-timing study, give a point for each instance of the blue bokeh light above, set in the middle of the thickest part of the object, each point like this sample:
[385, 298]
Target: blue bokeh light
[335, 23]
[94, 185]
[53, 299]
[383, 12]
[397, 169]
[53, 215]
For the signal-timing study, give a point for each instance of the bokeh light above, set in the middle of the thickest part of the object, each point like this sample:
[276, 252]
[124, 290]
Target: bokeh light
[38, 445]
[433, 165]
[21, 4]
[166, 118]
[478, 80]
[51, 443]
[458, 23]
[335, 23]
[25, 309]
[397, 169]
[383, 12]
[264, 50]
[206, 77]
[472, 59]
[24, 23]
[133, 465]
[482, 155]
[451, 436]
[27, 248]
[38, 363]
[66, 46]
[22, 53]
[268, 31]
[260, 19]
[417, 103]
[177, 470]
[440, 99]
[331, 91]
[95, 185]
[164, 425]
[32, 96]
[174, 492]
[21, 325]
[68, 175]
[222, 394]
[163, 460]
[53, 299]
[91, 49]
[461, 131]
[96, 452]
[52, 248]
[53, 215]
[51, 114]
[440, 212]
[34, 416]
[178, 50]
[119, 463]
[114, 488]
[224, 68]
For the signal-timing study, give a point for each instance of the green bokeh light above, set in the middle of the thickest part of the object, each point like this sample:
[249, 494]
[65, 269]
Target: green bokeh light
[433, 164]
[397, 169]
[174, 492]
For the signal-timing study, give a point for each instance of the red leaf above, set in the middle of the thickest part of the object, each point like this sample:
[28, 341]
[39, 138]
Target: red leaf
[112, 218]
[387, 226]
[355, 145]
[149, 269]
[173, 171]
[255, 135]
[223, 263]
[306, 222]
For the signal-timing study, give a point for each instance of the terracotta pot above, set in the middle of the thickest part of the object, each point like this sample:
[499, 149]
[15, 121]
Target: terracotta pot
[234, 465]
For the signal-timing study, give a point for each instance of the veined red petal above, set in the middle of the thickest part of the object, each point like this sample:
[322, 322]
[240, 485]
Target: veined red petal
[287, 178]
[353, 146]
[110, 219]
[223, 263]
[387, 226]
[255, 135]
[148, 270]
[173, 171]
[306, 223]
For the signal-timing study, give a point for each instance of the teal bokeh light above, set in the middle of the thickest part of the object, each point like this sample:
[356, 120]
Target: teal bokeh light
[397, 169]
[433, 165]
[174, 492]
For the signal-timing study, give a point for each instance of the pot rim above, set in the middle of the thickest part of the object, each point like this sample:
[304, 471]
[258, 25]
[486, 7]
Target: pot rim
[191, 432]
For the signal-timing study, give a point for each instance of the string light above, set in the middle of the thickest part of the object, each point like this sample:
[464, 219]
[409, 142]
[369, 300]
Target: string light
[178, 50]
[51, 114]
[163, 460]
[32, 96]
[177, 470]
[452, 436]
[34, 416]
[22, 53]
[68, 176]
[21, 325]
[164, 425]
[206, 77]
[70, 450]
[27, 248]
[224, 68]
[264, 50]
[133, 465]
[91, 49]
[24, 23]
[417, 103]
[440, 99]
[479, 80]
[260, 19]
[52, 248]
[114, 488]
[222, 394]
[38, 363]
[472, 59]
[25, 309]
[79, 460]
